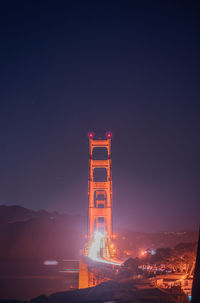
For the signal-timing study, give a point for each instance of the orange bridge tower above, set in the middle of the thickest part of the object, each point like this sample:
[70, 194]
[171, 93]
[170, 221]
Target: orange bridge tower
[100, 193]
[98, 252]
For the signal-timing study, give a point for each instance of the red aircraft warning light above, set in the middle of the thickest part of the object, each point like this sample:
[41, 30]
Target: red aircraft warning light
[108, 135]
[91, 135]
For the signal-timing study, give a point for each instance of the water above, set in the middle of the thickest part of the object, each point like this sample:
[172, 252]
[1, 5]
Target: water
[26, 280]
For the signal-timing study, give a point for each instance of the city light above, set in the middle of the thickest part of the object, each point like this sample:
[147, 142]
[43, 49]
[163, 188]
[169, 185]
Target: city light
[142, 253]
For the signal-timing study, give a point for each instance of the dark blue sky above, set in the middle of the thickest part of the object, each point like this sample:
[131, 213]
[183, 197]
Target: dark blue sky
[131, 67]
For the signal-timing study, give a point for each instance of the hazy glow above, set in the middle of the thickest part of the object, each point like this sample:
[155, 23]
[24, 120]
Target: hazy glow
[70, 270]
[95, 247]
[50, 262]
[99, 249]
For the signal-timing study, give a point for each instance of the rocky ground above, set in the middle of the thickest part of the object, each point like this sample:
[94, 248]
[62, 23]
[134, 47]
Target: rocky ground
[113, 291]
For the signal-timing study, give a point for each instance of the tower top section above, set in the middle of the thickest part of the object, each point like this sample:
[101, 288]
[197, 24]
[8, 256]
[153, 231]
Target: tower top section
[100, 142]
[91, 135]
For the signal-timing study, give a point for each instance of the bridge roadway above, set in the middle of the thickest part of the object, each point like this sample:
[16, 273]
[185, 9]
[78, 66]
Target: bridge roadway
[98, 263]
[97, 272]
[101, 249]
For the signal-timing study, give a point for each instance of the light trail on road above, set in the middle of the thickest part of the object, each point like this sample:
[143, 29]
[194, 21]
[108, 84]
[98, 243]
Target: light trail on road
[99, 249]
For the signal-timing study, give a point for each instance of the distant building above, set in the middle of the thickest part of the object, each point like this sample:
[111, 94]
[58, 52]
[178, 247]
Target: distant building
[196, 280]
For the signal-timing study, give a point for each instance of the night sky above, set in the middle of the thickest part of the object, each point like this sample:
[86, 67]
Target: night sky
[131, 67]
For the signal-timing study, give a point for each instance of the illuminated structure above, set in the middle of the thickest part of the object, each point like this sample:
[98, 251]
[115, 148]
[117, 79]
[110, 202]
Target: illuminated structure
[100, 193]
[99, 250]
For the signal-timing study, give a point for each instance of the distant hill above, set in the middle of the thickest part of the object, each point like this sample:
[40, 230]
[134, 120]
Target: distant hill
[25, 234]
[133, 241]
[16, 213]
[29, 234]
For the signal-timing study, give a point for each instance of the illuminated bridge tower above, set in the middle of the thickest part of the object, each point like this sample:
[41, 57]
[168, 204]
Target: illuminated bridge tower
[98, 246]
[100, 193]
